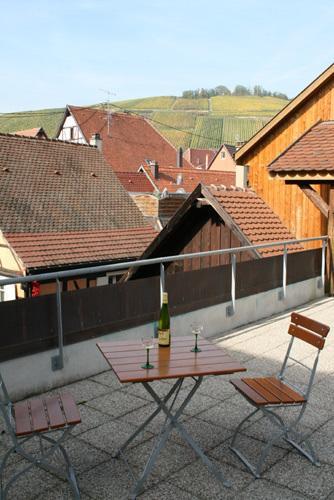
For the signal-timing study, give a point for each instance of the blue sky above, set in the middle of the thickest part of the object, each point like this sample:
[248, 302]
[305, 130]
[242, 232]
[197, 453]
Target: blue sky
[54, 53]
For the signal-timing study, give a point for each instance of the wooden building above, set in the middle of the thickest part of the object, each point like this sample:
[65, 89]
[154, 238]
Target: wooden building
[297, 210]
[212, 218]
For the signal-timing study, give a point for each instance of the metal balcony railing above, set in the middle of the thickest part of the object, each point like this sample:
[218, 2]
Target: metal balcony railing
[58, 360]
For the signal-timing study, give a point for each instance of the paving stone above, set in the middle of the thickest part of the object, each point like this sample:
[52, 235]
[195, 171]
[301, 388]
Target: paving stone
[217, 387]
[167, 491]
[205, 434]
[228, 414]
[107, 378]
[83, 456]
[261, 489]
[199, 403]
[138, 416]
[322, 441]
[109, 481]
[82, 391]
[27, 485]
[60, 492]
[171, 458]
[90, 418]
[111, 436]
[251, 448]
[198, 480]
[117, 403]
[297, 473]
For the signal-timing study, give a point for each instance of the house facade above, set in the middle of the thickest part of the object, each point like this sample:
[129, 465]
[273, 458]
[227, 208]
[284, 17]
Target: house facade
[313, 105]
[223, 160]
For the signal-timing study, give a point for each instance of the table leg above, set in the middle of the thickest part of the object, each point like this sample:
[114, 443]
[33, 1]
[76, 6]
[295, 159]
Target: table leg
[172, 421]
[147, 421]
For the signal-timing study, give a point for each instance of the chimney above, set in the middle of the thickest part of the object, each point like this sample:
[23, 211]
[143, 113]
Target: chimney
[241, 176]
[179, 158]
[239, 144]
[96, 141]
[179, 179]
[155, 169]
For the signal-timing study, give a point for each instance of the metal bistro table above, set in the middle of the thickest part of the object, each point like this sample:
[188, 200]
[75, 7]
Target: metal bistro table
[177, 361]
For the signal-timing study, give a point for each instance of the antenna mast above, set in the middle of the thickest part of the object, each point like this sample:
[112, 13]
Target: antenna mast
[109, 113]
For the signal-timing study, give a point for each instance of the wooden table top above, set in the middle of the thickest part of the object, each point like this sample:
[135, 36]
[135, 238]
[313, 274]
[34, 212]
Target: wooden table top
[177, 361]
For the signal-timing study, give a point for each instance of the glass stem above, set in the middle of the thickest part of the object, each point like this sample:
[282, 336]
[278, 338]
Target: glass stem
[196, 341]
[147, 356]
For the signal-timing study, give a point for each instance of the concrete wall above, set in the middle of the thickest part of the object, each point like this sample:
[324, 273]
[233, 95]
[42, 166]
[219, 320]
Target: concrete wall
[32, 374]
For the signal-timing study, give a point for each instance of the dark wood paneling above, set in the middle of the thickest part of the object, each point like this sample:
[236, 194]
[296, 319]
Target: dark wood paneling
[30, 325]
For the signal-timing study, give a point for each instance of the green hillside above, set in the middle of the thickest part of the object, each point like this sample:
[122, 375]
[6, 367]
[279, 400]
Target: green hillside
[203, 123]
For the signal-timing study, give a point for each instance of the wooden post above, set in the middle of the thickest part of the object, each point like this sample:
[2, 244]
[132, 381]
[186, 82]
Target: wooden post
[330, 247]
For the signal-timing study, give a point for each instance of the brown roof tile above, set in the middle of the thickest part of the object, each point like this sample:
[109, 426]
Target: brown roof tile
[190, 178]
[131, 139]
[313, 151]
[135, 182]
[49, 185]
[33, 132]
[45, 250]
[254, 218]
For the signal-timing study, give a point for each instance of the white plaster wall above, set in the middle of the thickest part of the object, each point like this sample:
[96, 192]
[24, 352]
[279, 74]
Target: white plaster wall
[64, 134]
[32, 374]
[9, 289]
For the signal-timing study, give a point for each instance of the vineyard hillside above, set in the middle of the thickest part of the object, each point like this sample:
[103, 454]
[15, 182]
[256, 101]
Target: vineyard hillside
[200, 123]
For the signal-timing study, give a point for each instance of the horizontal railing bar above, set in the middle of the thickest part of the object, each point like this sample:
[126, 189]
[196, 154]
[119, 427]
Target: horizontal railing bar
[148, 262]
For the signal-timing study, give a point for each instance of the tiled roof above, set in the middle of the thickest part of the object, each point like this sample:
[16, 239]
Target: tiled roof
[49, 185]
[131, 139]
[314, 150]
[198, 157]
[254, 218]
[45, 250]
[190, 178]
[135, 182]
[32, 132]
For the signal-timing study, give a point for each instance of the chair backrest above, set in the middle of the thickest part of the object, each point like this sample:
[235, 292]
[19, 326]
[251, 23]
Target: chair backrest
[313, 333]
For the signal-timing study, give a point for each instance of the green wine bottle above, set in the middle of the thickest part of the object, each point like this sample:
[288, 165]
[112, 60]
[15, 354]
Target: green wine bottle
[164, 323]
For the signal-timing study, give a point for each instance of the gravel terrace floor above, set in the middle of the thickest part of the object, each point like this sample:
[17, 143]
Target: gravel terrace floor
[110, 412]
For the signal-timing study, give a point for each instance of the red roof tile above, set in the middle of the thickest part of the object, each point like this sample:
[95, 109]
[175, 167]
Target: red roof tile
[135, 182]
[131, 139]
[191, 177]
[314, 150]
[199, 157]
[33, 132]
[50, 185]
[45, 250]
[254, 218]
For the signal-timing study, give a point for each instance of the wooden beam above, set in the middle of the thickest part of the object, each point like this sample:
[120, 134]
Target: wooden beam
[330, 246]
[315, 197]
[202, 202]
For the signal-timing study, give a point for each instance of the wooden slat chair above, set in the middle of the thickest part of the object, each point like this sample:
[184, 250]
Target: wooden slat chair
[268, 394]
[38, 419]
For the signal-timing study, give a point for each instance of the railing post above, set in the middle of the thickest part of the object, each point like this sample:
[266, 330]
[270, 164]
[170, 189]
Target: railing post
[162, 281]
[321, 281]
[57, 362]
[282, 293]
[230, 310]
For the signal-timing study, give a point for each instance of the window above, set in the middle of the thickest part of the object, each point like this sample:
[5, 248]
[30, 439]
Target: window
[223, 155]
[115, 276]
[2, 293]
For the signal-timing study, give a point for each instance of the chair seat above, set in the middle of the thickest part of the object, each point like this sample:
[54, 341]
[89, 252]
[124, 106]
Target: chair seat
[264, 391]
[40, 415]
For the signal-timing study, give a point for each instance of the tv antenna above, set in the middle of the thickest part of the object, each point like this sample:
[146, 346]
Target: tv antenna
[109, 94]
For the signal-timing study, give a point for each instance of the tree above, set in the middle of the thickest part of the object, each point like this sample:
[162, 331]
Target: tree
[222, 90]
[241, 90]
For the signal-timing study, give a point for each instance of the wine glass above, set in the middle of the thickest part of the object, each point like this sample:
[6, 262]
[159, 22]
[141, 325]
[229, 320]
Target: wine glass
[196, 329]
[148, 343]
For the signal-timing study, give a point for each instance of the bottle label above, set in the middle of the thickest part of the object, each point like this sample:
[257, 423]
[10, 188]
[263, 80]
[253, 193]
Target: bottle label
[164, 337]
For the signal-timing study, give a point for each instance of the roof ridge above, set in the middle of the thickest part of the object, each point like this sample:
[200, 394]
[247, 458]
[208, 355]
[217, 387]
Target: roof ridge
[44, 140]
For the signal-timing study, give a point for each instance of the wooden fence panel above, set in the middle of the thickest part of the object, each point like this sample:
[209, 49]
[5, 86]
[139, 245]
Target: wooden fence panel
[30, 325]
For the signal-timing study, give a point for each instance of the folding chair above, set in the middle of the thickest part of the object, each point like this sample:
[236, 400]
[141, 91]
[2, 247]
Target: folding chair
[268, 394]
[36, 420]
